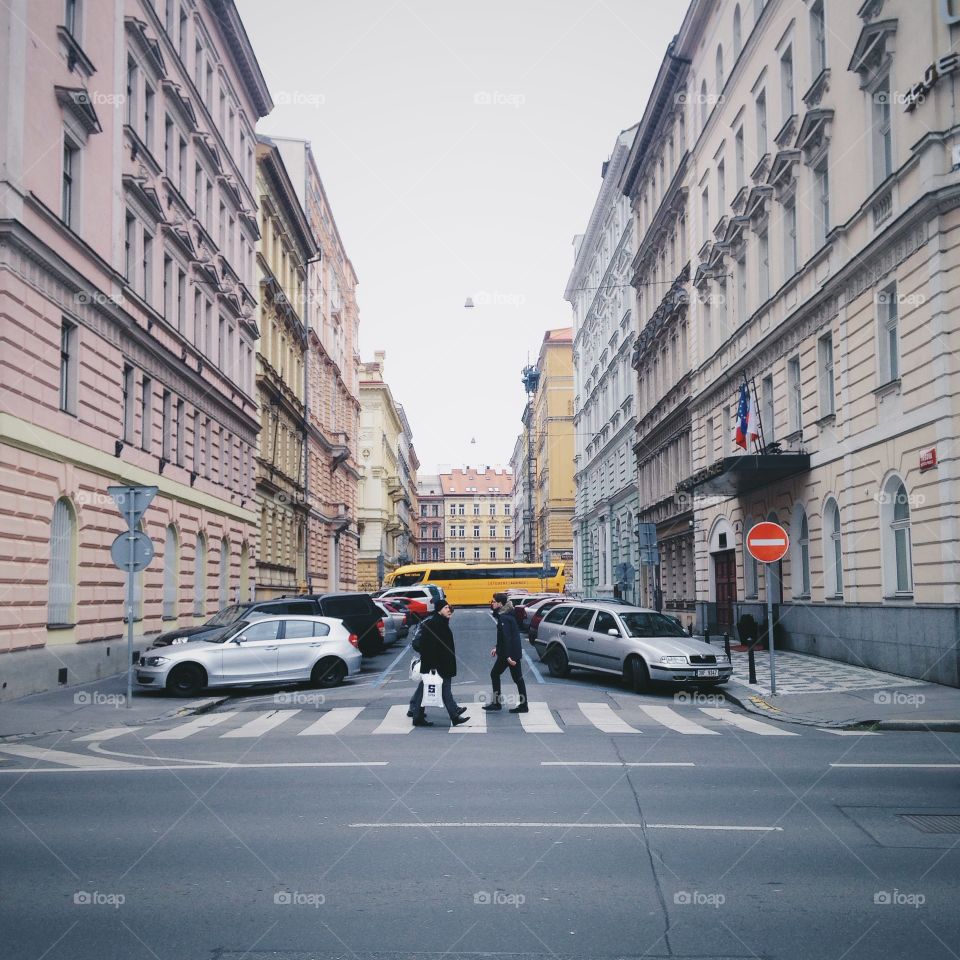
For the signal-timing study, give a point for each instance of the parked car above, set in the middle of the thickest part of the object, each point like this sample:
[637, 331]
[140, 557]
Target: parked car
[640, 645]
[394, 621]
[536, 613]
[617, 600]
[522, 604]
[271, 650]
[357, 610]
[424, 595]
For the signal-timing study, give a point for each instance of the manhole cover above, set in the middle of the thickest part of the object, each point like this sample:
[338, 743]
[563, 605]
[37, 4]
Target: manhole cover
[933, 822]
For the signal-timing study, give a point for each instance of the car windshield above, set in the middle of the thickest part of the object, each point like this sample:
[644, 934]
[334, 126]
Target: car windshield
[651, 625]
[229, 631]
[227, 616]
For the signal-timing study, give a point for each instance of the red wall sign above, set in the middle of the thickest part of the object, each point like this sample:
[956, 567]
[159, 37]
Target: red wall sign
[928, 459]
[767, 542]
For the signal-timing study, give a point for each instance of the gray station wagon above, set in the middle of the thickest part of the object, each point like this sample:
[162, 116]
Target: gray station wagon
[638, 644]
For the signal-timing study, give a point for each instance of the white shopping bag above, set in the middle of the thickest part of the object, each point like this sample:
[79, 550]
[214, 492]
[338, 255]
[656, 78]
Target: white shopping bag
[432, 695]
[415, 670]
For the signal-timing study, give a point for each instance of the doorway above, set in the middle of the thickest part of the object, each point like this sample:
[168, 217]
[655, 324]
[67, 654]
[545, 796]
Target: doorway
[725, 584]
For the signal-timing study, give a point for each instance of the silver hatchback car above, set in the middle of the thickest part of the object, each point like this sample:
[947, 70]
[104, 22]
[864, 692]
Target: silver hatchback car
[638, 644]
[273, 650]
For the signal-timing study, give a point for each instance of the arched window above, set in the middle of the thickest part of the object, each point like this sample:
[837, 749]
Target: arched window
[719, 69]
[224, 595]
[737, 32]
[200, 577]
[897, 541]
[703, 104]
[63, 566]
[171, 563]
[800, 558]
[832, 553]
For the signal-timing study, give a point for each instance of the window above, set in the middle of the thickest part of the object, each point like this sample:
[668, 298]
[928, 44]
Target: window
[181, 430]
[461, 509]
[882, 142]
[148, 102]
[786, 83]
[766, 406]
[62, 572]
[146, 267]
[705, 212]
[825, 367]
[453, 509]
[493, 553]
[461, 553]
[821, 202]
[476, 509]
[146, 413]
[181, 300]
[167, 425]
[721, 187]
[741, 277]
[703, 104]
[763, 266]
[453, 531]
[739, 160]
[453, 553]
[462, 530]
[493, 509]
[789, 238]
[476, 553]
[493, 532]
[129, 246]
[709, 431]
[794, 397]
[801, 553]
[131, 91]
[897, 546]
[68, 199]
[68, 367]
[423, 553]
[832, 552]
[170, 574]
[507, 533]
[476, 530]
[70, 20]
[737, 32]
[435, 553]
[224, 597]
[818, 38]
[129, 391]
[760, 109]
[507, 553]
[182, 49]
[750, 566]
[167, 288]
[887, 328]
[719, 70]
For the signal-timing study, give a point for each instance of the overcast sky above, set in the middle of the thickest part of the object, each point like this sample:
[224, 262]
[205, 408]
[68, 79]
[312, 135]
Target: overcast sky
[460, 144]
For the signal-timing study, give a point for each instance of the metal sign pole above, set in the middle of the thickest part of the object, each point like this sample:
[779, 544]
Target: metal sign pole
[131, 522]
[773, 675]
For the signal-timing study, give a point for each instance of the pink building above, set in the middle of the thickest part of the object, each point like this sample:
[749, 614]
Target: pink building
[127, 235]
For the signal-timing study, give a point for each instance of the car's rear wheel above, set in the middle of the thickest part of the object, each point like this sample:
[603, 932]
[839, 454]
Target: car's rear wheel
[636, 674]
[186, 680]
[328, 673]
[557, 662]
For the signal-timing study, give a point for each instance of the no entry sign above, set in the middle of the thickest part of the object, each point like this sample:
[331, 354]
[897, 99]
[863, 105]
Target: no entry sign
[767, 542]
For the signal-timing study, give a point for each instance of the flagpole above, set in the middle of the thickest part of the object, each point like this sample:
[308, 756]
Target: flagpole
[756, 401]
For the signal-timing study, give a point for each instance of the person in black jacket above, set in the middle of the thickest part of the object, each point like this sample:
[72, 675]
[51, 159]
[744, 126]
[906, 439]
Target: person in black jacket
[508, 652]
[437, 652]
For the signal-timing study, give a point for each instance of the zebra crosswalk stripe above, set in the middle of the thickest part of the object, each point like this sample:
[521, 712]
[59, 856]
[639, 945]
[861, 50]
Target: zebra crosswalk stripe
[191, 727]
[396, 721]
[331, 722]
[539, 719]
[747, 723]
[262, 723]
[601, 715]
[676, 721]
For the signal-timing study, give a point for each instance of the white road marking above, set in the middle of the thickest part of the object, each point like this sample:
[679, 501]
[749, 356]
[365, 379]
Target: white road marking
[107, 734]
[62, 756]
[476, 724]
[613, 763]
[533, 667]
[396, 721]
[193, 726]
[539, 719]
[850, 733]
[332, 722]
[767, 542]
[500, 825]
[262, 723]
[902, 766]
[677, 722]
[133, 768]
[747, 723]
[601, 715]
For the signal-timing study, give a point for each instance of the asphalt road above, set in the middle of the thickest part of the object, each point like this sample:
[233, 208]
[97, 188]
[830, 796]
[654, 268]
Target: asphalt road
[230, 839]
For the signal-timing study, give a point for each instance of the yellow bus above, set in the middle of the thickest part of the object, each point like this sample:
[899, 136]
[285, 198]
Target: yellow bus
[472, 584]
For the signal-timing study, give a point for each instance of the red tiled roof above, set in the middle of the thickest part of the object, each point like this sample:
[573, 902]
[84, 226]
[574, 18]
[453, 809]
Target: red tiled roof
[468, 482]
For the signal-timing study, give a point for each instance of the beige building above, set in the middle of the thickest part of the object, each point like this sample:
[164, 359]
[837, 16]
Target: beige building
[822, 190]
[478, 505]
[284, 247]
[387, 492]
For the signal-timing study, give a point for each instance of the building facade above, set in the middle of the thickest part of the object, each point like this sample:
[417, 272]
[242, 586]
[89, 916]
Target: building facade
[388, 482]
[604, 418]
[332, 392]
[127, 294]
[550, 413]
[283, 250]
[521, 503]
[822, 163]
[478, 506]
[430, 519]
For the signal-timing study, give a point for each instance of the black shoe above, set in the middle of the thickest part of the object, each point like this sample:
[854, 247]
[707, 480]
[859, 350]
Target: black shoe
[422, 722]
[456, 721]
[522, 708]
[410, 713]
[493, 705]
[461, 711]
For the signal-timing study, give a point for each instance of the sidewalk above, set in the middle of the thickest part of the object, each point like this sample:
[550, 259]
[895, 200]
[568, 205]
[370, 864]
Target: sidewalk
[826, 693]
[92, 706]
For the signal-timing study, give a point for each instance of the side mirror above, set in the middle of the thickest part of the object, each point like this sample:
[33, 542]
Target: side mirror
[613, 632]
[238, 639]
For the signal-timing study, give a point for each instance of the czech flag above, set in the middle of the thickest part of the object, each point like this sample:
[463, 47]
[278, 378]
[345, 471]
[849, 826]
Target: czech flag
[746, 420]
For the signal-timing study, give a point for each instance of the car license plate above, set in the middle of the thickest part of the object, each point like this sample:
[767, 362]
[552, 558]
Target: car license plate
[708, 673]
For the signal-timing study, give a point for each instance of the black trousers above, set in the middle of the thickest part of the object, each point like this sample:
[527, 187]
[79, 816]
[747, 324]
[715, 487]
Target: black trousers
[516, 673]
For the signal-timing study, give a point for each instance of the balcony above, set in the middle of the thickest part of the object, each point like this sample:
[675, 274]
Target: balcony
[671, 305]
[739, 475]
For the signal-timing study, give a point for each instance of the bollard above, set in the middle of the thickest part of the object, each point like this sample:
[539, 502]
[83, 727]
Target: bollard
[752, 664]
[690, 629]
[706, 633]
[726, 643]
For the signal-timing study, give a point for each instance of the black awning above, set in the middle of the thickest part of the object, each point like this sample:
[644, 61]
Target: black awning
[736, 476]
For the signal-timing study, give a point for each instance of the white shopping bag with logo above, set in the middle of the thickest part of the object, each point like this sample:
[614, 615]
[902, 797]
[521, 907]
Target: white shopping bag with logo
[432, 694]
[415, 670]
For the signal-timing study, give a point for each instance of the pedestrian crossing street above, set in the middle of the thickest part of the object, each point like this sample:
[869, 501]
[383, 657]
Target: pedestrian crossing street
[638, 720]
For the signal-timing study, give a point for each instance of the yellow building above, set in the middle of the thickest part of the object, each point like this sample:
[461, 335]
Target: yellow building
[551, 410]
[284, 247]
[478, 505]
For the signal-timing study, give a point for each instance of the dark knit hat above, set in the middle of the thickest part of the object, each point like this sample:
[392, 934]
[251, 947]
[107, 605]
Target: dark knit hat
[500, 597]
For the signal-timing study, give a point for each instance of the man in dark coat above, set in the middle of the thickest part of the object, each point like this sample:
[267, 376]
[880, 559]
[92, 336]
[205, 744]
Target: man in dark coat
[437, 652]
[508, 652]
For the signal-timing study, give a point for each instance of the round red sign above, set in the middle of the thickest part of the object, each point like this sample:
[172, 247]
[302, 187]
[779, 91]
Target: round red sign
[767, 542]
